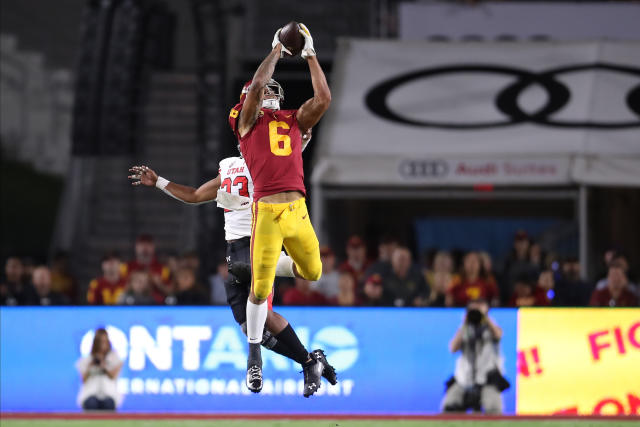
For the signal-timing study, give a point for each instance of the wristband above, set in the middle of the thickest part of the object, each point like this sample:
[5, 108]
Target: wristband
[162, 183]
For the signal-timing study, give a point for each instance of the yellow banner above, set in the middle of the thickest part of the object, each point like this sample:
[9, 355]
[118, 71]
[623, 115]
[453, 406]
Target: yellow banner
[578, 361]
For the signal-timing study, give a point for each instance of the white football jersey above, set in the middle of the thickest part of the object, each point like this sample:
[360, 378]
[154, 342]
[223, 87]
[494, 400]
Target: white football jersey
[235, 179]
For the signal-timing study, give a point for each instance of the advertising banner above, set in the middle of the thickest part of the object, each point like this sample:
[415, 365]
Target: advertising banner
[584, 361]
[423, 113]
[389, 360]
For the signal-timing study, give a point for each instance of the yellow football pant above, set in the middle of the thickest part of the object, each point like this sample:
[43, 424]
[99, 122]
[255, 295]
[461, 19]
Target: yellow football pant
[275, 224]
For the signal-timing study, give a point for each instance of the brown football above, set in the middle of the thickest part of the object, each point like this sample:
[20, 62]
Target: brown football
[291, 38]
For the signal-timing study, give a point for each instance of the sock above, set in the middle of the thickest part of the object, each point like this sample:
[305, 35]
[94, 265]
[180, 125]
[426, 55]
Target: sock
[256, 316]
[290, 345]
[284, 267]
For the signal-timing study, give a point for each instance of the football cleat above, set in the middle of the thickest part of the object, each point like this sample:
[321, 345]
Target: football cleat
[312, 374]
[327, 370]
[254, 378]
[254, 368]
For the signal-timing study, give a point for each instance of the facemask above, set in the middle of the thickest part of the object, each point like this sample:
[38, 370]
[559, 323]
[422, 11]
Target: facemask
[271, 104]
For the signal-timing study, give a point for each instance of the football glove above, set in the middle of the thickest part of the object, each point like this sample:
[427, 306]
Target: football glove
[276, 40]
[308, 49]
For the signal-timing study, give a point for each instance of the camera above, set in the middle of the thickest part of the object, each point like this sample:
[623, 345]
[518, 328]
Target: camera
[474, 316]
[95, 361]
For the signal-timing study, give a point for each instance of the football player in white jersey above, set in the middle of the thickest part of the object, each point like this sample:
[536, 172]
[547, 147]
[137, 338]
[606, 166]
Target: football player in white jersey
[235, 198]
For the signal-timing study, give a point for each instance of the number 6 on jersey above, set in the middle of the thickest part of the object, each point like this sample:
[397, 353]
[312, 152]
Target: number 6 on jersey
[275, 138]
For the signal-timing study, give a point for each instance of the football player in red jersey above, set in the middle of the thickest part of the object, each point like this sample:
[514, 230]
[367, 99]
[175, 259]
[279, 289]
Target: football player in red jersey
[270, 141]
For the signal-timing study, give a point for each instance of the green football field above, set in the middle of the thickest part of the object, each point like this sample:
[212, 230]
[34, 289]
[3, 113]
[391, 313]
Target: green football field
[311, 423]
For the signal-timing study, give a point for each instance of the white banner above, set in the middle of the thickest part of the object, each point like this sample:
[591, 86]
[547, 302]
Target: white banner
[488, 20]
[515, 113]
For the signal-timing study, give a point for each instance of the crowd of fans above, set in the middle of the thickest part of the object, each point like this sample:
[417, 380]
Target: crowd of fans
[529, 277]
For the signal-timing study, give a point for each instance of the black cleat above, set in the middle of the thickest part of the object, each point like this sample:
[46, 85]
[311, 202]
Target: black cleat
[254, 378]
[327, 370]
[254, 368]
[312, 374]
[241, 271]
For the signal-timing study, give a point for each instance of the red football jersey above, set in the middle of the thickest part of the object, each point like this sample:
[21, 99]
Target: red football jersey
[272, 150]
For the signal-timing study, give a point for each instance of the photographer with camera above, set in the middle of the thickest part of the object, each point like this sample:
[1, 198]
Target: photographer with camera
[99, 371]
[477, 382]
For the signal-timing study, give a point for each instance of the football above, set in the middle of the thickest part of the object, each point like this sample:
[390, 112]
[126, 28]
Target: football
[291, 38]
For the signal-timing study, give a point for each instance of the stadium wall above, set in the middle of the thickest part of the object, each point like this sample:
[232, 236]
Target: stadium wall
[390, 361]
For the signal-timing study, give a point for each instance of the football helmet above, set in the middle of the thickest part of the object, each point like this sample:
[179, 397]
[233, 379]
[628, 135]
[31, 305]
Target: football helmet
[273, 88]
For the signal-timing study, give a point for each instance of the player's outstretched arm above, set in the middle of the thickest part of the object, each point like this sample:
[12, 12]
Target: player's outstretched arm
[207, 192]
[313, 109]
[252, 103]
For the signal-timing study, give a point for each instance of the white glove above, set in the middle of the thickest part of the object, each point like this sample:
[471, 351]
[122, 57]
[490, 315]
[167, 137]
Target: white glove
[276, 40]
[308, 49]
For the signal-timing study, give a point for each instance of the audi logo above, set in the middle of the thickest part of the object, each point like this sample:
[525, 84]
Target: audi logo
[424, 168]
[506, 100]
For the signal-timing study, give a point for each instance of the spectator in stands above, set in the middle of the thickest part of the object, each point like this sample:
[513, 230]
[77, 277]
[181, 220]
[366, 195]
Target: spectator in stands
[517, 264]
[478, 379]
[570, 289]
[346, 296]
[188, 291]
[138, 291]
[472, 284]
[356, 262]
[382, 265]
[217, 292]
[303, 294]
[622, 261]
[62, 281]
[42, 283]
[14, 290]
[106, 290]
[527, 293]
[328, 285]
[607, 257]
[617, 293]
[405, 283]
[145, 260]
[375, 294]
[442, 265]
[99, 371]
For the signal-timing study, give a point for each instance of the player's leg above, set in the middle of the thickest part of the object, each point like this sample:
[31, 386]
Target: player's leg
[266, 243]
[278, 335]
[286, 342]
[302, 245]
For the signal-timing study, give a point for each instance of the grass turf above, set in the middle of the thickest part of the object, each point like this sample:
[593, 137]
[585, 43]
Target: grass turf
[308, 423]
